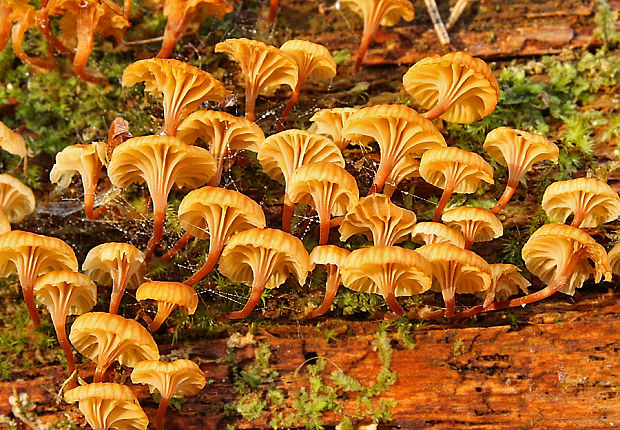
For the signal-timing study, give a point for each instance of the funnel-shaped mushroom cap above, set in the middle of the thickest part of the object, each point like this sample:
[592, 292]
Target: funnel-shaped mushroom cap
[72, 293]
[387, 12]
[549, 250]
[313, 60]
[168, 292]
[218, 212]
[105, 337]
[399, 131]
[110, 262]
[5, 224]
[380, 220]
[109, 406]
[221, 131]
[614, 258]
[160, 162]
[477, 225]
[326, 255]
[183, 87]
[385, 269]
[592, 202]
[82, 159]
[265, 66]
[326, 186]
[428, 233]
[457, 268]
[441, 166]
[267, 252]
[507, 280]
[12, 142]
[176, 378]
[16, 198]
[330, 122]
[456, 86]
[519, 150]
[283, 153]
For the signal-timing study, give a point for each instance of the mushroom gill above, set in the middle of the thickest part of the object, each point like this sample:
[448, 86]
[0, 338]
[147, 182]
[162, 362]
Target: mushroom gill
[477, 225]
[16, 198]
[168, 295]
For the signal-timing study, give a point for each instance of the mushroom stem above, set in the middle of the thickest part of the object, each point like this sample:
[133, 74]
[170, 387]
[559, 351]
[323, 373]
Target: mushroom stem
[287, 213]
[172, 252]
[215, 249]
[159, 217]
[445, 197]
[258, 286]
[216, 179]
[469, 242]
[393, 304]
[448, 298]
[17, 36]
[161, 411]
[324, 224]
[58, 319]
[578, 218]
[27, 276]
[118, 289]
[174, 30]
[441, 108]
[331, 288]
[164, 310]
[43, 23]
[250, 99]
[385, 168]
[5, 26]
[367, 35]
[291, 103]
[85, 24]
[273, 10]
[506, 196]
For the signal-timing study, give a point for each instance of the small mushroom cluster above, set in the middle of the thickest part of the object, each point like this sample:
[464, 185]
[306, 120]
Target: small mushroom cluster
[312, 167]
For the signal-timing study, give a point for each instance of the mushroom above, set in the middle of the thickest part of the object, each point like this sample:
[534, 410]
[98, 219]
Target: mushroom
[563, 257]
[184, 87]
[518, 150]
[104, 338]
[283, 153]
[216, 214]
[16, 198]
[118, 264]
[592, 202]
[168, 295]
[380, 220]
[176, 378]
[23, 16]
[428, 233]
[31, 255]
[387, 270]
[160, 162]
[63, 293]
[88, 17]
[109, 406]
[222, 133]
[5, 225]
[13, 143]
[330, 122]
[273, 10]
[455, 170]
[477, 225]
[614, 259]
[82, 159]
[181, 13]
[399, 131]
[333, 258]
[117, 134]
[262, 258]
[456, 87]
[375, 13]
[328, 188]
[264, 68]
[455, 270]
[313, 61]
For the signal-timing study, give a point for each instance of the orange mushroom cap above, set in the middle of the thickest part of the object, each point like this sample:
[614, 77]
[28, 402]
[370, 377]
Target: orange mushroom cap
[184, 87]
[330, 122]
[16, 198]
[12, 142]
[592, 202]
[477, 225]
[333, 257]
[380, 220]
[168, 295]
[467, 169]
[109, 406]
[456, 87]
[5, 225]
[614, 258]
[507, 280]
[313, 60]
[434, 232]
[549, 250]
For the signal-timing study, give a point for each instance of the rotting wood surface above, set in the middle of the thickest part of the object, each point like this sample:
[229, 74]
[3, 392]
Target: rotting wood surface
[558, 369]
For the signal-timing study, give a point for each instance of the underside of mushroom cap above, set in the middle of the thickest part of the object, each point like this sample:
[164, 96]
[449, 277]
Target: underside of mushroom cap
[614, 259]
[434, 232]
[247, 250]
[389, 11]
[56, 288]
[175, 378]
[106, 261]
[16, 198]
[169, 292]
[476, 224]
[12, 142]
[330, 122]
[550, 248]
[327, 255]
[593, 200]
[313, 60]
[508, 280]
[463, 83]
[369, 269]
[209, 210]
[438, 165]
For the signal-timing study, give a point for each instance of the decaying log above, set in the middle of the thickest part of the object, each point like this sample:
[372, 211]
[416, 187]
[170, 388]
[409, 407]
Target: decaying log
[558, 368]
